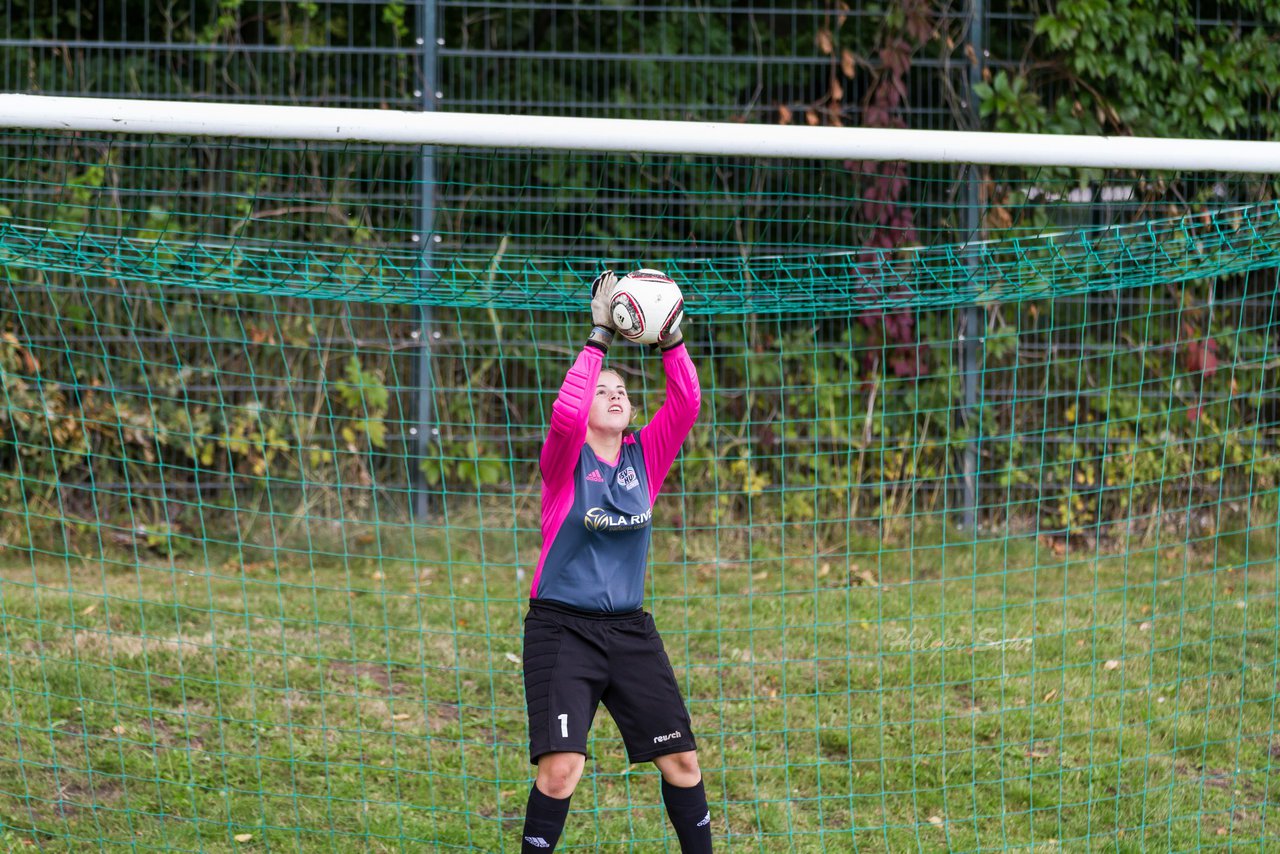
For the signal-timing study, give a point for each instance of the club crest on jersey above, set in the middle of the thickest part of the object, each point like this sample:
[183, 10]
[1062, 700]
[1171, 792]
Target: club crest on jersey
[599, 519]
[627, 478]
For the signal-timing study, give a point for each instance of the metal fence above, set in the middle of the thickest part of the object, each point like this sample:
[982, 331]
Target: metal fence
[730, 61]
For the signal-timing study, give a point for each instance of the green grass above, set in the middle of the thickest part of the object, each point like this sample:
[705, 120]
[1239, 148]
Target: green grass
[920, 695]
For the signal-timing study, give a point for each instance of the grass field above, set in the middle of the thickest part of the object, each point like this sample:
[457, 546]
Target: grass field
[926, 696]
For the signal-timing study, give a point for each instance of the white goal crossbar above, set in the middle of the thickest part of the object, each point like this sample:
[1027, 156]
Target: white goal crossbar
[38, 112]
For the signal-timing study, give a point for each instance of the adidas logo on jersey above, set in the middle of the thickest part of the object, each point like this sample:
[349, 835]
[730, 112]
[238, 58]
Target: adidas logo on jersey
[596, 477]
[706, 819]
[539, 842]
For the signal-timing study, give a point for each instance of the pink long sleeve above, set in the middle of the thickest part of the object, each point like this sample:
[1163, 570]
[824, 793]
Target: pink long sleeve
[569, 412]
[661, 438]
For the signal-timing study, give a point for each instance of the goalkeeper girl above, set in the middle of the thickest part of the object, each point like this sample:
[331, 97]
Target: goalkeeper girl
[586, 638]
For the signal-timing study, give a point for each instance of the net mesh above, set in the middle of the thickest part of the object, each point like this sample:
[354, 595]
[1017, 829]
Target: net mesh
[268, 495]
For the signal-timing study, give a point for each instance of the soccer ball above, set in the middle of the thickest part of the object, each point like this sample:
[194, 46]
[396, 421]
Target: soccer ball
[646, 306]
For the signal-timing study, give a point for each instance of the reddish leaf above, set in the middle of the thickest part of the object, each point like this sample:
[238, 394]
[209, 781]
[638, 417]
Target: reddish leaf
[1202, 357]
[910, 361]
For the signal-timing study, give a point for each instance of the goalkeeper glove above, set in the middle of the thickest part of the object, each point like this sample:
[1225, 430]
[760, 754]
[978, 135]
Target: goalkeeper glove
[674, 336]
[601, 315]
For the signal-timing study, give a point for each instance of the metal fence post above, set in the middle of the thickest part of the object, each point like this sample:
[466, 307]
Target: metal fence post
[425, 431]
[973, 318]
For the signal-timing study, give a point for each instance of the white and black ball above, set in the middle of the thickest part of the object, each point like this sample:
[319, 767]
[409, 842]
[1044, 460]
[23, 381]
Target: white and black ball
[647, 305]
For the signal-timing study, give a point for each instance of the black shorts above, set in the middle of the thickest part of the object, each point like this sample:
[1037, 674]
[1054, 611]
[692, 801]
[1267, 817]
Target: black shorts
[574, 659]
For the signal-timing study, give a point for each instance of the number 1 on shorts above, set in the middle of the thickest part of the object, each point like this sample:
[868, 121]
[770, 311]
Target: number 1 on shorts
[564, 725]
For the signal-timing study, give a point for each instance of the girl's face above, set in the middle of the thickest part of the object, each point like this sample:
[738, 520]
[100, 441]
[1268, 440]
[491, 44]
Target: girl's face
[610, 408]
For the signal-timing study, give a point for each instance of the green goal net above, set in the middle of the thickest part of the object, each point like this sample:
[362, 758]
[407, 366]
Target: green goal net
[973, 547]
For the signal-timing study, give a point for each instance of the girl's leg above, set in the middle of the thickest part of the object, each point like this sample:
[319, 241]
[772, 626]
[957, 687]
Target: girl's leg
[558, 775]
[686, 800]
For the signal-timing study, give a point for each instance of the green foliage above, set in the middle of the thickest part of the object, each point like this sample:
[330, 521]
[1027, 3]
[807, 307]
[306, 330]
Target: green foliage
[1010, 105]
[800, 426]
[226, 71]
[366, 400]
[863, 441]
[463, 466]
[395, 15]
[1145, 68]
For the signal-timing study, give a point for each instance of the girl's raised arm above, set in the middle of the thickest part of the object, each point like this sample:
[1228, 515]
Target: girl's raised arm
[568, 429]
[661, 438]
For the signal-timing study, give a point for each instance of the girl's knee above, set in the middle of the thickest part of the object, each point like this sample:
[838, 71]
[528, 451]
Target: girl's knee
[559, 773]
[680, 769]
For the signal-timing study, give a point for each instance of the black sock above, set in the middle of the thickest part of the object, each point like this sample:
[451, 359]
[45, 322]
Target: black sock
[543, 822]
[689, 816]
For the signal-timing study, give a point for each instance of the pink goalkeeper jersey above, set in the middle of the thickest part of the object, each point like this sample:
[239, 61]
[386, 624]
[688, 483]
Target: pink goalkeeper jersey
[597, 514]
